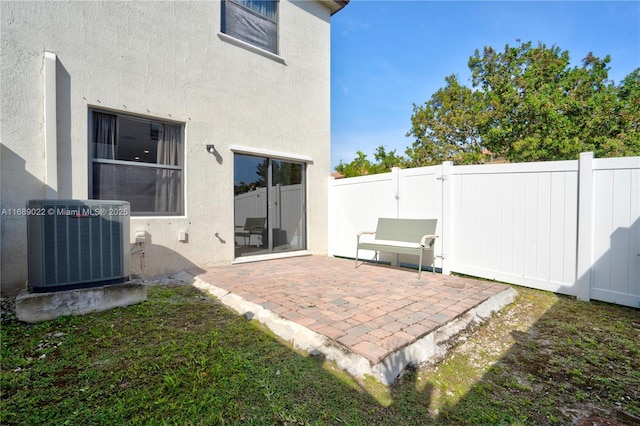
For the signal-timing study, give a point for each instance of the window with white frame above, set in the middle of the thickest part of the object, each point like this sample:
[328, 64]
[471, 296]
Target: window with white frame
[252, 21]
[139, 160]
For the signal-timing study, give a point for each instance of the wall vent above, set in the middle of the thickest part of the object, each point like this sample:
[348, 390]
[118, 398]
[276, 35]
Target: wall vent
[77, 244]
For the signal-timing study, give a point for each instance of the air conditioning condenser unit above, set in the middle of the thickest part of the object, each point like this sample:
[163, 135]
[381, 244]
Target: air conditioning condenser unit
[77, 244]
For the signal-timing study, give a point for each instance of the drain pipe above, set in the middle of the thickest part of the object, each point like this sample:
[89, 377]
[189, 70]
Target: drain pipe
[50, 126]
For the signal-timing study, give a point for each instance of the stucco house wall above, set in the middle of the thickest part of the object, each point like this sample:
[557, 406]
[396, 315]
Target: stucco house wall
[169, 61]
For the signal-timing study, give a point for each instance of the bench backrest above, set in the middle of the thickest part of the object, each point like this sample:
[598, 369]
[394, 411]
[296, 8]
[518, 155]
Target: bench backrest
[255, 222]
[409, 230]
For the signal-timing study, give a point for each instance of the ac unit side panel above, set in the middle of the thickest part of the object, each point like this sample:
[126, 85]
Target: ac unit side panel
[35, 249]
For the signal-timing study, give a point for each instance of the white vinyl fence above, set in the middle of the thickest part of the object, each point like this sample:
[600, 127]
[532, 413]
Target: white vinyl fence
[571, 227]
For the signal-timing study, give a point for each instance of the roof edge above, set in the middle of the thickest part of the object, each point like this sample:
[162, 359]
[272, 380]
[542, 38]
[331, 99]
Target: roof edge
[334, 6]
[341, 5]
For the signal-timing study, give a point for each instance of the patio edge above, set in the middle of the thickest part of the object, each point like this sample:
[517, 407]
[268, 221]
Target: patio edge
[433, 346]
[299, 336]
[428, 349]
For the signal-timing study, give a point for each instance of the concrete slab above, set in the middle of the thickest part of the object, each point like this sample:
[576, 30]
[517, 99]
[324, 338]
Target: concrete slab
[371, 321]
[36, 307]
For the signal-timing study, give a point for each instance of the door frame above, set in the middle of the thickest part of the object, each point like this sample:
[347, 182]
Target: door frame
[271, 156]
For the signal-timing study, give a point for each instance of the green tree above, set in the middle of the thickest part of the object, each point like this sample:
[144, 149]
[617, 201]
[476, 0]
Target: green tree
[361, 166]
[540, 108]
[446, 127]
[629, 115]
[385, 161]
[526, 103]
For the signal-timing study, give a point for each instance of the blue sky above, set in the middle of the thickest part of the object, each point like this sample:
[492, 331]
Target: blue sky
[387, 55]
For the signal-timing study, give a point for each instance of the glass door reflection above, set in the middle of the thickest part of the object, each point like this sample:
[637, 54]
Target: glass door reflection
[273, 220]
[250, 205]
[287, 219]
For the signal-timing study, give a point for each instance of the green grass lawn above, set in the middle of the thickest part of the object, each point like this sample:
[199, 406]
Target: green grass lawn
[183, 358]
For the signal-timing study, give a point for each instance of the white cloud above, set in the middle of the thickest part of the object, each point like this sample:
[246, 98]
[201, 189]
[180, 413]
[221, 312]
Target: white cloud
[343, 87]
[349, 25]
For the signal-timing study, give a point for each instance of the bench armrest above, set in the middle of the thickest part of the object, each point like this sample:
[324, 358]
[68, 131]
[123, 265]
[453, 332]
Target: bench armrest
[364, 233]
[423, 240]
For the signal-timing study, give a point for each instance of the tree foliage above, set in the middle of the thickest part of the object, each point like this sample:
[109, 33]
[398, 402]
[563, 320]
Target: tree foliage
[361, 166]
[525, 103]
[447, 127]
[538, 107]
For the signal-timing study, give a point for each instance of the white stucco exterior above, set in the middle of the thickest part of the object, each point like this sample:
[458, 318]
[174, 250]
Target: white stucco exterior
[168, 61]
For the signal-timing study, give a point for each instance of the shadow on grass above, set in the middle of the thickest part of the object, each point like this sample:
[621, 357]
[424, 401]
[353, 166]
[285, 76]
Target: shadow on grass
[578, 363]
[183, 358]
[179, 358]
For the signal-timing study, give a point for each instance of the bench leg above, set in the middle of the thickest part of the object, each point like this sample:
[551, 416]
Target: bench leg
[420, 265]
[374, 257]
[433, 263]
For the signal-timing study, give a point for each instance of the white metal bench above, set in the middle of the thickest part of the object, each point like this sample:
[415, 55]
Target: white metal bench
[402, 236]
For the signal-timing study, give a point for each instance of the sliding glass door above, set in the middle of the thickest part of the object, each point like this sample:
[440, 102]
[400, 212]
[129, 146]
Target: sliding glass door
[269, 205]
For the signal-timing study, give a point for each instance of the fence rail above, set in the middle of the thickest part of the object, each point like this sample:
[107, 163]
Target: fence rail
[571, 227]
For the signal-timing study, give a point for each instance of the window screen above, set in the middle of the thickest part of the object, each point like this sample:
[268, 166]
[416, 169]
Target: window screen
[252, 21]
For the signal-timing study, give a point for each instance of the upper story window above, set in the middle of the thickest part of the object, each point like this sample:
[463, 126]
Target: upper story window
[252, 21]
[139, 160]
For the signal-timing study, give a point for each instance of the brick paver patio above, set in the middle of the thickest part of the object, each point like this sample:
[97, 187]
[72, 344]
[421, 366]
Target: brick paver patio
[373, 310]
